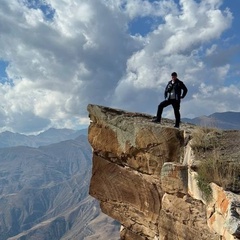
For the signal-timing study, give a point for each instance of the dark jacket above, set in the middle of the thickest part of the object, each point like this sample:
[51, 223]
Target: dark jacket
[179, 87]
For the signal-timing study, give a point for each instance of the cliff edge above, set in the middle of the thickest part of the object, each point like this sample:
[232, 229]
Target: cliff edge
[144, 177]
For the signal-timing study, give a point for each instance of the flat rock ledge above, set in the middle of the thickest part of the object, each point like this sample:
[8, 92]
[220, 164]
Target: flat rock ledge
[143, 178]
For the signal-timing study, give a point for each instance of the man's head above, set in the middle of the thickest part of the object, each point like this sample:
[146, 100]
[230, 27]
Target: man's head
[174, 76]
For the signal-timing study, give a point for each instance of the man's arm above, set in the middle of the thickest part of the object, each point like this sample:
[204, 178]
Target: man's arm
[166, 92]
[185, 90]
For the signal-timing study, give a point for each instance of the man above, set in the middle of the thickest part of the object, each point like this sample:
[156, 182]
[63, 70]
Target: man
[175, 90]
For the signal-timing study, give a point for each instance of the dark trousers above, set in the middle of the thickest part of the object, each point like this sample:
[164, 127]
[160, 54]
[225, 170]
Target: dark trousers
[176, 108]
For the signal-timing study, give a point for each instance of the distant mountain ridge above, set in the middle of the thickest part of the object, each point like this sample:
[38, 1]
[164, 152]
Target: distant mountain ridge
[44, 190]
[52, 135]
[224, 120]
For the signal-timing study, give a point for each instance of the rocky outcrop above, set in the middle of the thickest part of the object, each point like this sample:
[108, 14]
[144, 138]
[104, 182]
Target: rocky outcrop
[143, 177]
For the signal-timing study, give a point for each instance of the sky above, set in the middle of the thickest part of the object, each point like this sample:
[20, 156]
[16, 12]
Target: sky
[58, 56]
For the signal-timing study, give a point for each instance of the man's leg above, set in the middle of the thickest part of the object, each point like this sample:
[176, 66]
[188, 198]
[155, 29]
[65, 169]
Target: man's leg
[161, 106]
[176, 107]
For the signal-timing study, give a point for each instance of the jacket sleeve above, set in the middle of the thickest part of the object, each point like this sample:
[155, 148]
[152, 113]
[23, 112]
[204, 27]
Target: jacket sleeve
[185, 90]
[166, 92]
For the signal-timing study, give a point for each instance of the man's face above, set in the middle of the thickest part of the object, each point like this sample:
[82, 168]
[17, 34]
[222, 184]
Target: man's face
[174, 78]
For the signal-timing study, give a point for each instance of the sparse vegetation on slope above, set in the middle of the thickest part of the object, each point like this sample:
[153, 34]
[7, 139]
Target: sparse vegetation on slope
[218, 155]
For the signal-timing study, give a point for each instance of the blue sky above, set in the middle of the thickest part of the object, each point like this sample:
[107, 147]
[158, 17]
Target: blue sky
[56, 57]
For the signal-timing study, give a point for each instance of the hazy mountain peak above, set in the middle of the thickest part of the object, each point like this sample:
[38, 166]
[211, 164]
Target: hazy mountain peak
[222, 120]
[52, 135]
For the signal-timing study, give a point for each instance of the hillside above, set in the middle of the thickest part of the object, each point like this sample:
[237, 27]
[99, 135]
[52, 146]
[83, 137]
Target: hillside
[44, 192]
[224, 120]
[52, 135]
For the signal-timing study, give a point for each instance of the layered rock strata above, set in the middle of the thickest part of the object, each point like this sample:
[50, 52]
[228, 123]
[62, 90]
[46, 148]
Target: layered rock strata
[143, 178]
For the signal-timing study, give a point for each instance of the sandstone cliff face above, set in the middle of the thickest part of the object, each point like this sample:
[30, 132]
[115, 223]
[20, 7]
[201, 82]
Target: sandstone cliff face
[143, 178]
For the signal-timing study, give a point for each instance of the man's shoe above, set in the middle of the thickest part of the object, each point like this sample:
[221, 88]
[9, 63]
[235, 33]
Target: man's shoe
[155, 121]
[176, 126]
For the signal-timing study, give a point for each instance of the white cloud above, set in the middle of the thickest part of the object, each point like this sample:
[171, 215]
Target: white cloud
[142, 8]
[177, 45]
[85, 54]
[211, 50]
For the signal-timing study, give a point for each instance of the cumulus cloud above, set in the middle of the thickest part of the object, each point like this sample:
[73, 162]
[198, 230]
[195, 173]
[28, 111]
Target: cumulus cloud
[181, 44]
[63, 55]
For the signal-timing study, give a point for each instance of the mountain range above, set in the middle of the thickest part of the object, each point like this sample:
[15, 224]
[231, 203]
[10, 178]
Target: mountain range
[44, 189]
[225, 120]
[52, 135]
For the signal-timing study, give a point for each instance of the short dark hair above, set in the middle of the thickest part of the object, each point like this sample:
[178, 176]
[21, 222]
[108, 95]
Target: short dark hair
[174, 74]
